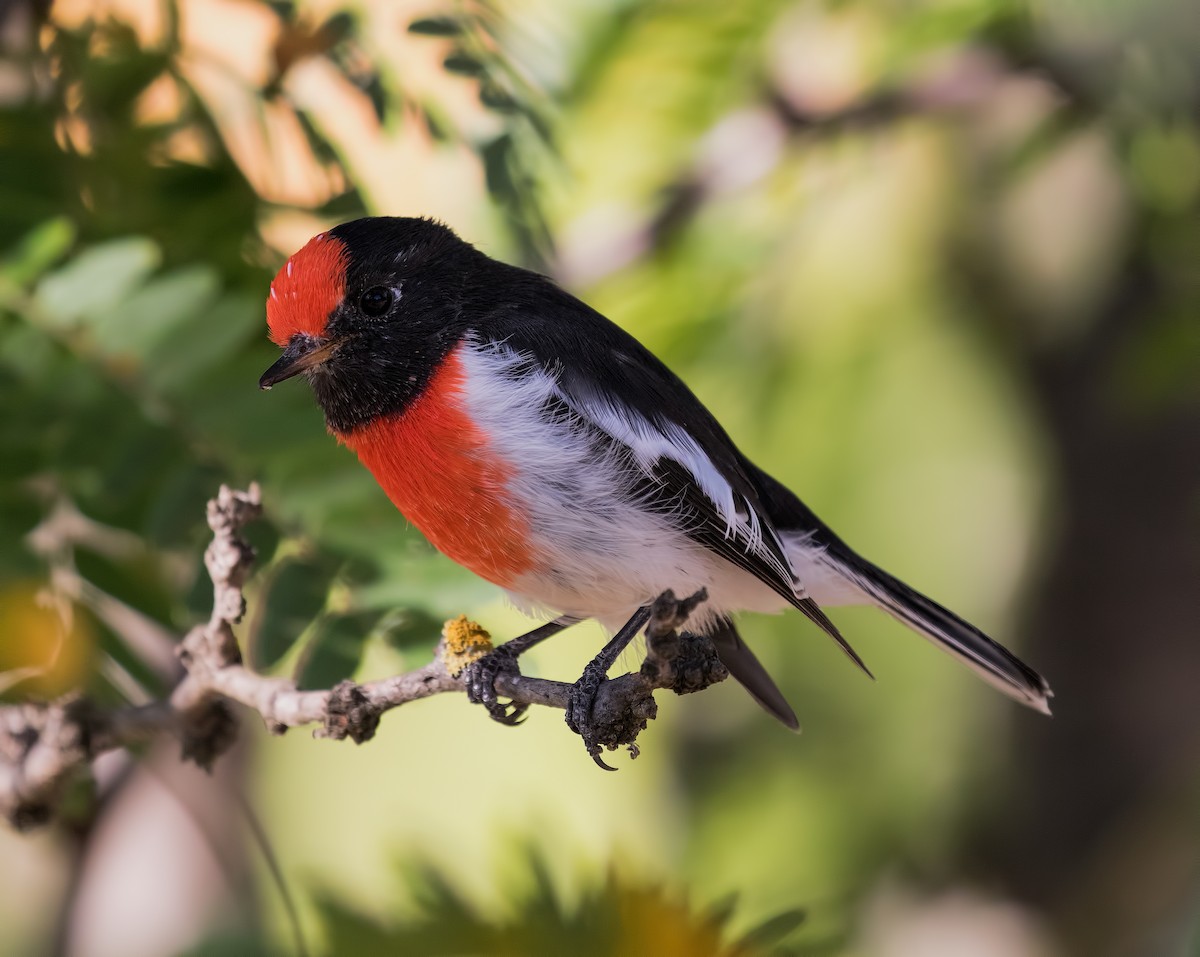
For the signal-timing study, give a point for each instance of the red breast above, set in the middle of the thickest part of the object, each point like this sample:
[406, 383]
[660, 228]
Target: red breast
[437, 467]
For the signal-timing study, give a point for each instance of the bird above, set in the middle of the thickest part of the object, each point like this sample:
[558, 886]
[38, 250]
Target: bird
[540, 445]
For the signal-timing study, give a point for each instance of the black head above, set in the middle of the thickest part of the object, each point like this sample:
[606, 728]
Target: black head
[367, 311]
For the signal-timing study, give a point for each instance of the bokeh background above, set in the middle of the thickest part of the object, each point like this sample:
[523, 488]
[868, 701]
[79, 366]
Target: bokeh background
[934, 263]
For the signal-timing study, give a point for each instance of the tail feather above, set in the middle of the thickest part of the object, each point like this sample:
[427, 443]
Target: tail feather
[814, 614]
[958, 637]
[740, 660]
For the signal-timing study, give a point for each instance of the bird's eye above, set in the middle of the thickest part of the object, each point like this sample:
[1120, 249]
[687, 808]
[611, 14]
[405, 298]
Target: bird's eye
[376, 301]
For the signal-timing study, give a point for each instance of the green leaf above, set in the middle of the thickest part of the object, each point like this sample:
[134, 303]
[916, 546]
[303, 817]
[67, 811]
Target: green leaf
[335, 649]
[295, 596]
[463, 64]
[410, 628]
[264, 537]
[338, 27]
[773, 930]
[437, 27]
[96, 280]
[37, 250]
[149, 317]
[135, 580]
[19, 514]
[496, 98]
[417, 580]
[172, 514]
[208, 338]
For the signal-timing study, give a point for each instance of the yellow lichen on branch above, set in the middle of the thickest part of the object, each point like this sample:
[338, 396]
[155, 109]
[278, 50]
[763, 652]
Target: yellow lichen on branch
[466, 641]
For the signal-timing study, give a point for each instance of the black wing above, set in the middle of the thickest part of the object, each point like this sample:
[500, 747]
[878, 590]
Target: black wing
[540, 320]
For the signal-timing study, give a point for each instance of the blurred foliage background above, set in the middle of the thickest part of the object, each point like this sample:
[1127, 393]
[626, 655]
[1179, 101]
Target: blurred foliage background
[935, 263]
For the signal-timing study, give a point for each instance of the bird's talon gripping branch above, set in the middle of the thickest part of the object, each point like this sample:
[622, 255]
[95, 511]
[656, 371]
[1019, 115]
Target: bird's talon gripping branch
[479, 677]
[580, 704]
[668, 613]
[468, 651]
[682, 662]
[480, 673]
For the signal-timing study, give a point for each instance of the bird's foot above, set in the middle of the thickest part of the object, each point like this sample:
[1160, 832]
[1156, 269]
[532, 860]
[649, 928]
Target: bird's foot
[580, 702]
[661, 619]
[480, 675]
[480, 678]
[668, 614]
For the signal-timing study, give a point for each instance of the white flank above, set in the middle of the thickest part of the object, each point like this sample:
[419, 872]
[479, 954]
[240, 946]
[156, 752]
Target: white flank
[602, 555]
[651, 443]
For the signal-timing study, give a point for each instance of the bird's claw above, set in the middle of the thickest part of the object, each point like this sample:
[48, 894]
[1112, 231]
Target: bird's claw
[668, 613]
[580, 702]
[480, 679]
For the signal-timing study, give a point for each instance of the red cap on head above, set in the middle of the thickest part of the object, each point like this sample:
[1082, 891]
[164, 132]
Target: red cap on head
[306, 290]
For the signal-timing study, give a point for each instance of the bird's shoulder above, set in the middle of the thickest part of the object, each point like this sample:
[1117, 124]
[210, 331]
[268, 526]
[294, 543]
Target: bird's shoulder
[596, 364]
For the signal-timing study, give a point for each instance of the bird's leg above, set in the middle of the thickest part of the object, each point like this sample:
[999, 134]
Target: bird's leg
[583, 692]
[480, 676]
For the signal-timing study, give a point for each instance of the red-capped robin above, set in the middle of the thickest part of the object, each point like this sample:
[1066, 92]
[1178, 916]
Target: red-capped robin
[538, 444]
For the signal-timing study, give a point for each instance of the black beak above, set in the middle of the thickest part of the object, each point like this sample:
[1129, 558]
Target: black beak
[303, 352]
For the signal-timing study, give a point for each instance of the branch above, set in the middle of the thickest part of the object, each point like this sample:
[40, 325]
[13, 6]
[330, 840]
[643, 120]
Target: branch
[44, 747]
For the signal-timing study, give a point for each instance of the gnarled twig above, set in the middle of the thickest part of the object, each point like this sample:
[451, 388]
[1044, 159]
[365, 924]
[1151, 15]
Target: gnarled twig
[44, 746]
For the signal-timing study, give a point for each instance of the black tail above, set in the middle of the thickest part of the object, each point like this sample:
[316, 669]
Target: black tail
[990, 660]
[740, 660]
[994, 663]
